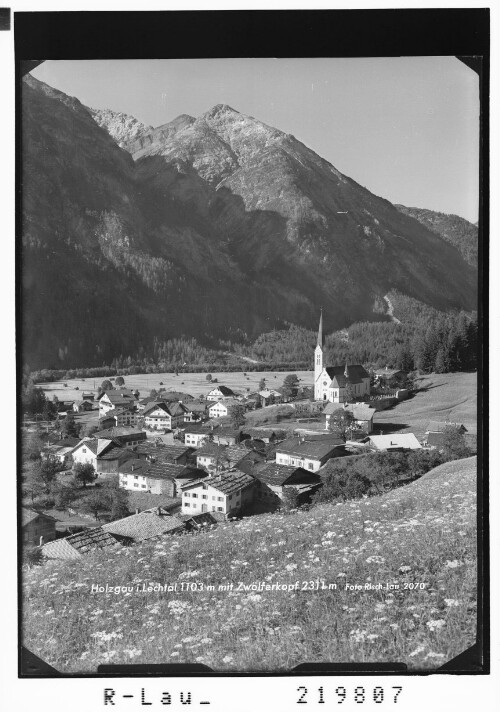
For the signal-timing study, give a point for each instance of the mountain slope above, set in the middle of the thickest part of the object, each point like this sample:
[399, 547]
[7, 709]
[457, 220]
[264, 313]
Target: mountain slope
[213, 227]
[459, 232]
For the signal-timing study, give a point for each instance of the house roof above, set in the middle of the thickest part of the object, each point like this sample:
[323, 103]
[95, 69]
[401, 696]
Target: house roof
[147, 524]
[227, 402]
[117, 453]
[163, 452]
[406, 441]
[388, 372]
[156, 405]
[175, 396]
[226, 482]
[199, 520]
[314, 449]
[273, 474]
[440, 426]
[356, 373]
[60, 549]
[118, 398]
[90, 540]
[224, 390]
[435, 438]
[235, 453]
[29, 515]
[211, 448]
[120, 432]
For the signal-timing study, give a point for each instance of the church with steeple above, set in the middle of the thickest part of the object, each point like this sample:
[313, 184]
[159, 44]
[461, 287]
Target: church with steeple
[337, 384]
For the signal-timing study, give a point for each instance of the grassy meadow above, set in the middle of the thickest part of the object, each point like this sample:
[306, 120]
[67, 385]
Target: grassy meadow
[194, 383]
[420, 538]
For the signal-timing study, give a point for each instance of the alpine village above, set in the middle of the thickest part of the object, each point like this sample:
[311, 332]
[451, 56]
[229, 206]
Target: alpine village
[221, 453]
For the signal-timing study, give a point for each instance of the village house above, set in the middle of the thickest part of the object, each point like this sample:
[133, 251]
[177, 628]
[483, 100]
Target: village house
[175, 396]
[197, 410]
[124, 435]
[164, 416]
[222, 408]
[361, 412]
[155, 477]
[229, 492]
[145, 402]
[82, 406]
[60, 451]
[390, 377]
[118, 417]
[196, 434]
[331, 382]
[273, 479]
[434, 435]
[395, 442]
[145, 525]
[36, 527]
[88, 396]
[115, 399]
[211, 456]
[269, 397]
[76, 545]
[158, 451]
[220, 392]
[307, 453]
[104, 454]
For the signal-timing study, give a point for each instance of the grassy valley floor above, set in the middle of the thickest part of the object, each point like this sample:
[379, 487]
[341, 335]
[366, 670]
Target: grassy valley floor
[421, 537]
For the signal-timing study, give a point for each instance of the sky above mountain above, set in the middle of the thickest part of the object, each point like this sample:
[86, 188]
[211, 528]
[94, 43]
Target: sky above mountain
[405, 128]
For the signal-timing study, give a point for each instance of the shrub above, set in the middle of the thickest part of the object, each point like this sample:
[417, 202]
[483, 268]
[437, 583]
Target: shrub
[32, 556]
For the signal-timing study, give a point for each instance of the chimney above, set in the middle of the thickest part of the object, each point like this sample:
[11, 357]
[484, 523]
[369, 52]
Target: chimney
[133, 468]
[137, 510]
[41, 541]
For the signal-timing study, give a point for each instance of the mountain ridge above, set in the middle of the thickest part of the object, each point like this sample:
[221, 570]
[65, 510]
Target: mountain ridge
[211, 227]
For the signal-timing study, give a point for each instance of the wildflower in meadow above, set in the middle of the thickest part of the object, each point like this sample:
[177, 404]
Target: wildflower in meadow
[434, 625]
[291, 567]
[451, 602]
[227, 659]
[453, 564]
[404, 569]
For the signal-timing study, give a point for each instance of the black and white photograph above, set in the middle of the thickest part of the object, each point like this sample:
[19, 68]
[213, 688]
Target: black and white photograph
[250, 361]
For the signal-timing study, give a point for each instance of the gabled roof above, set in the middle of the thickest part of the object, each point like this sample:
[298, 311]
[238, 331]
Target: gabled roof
[273, 474]
[29, 515]
[121, 431]
[156, 405]
[314, 449]
[356, 373]
[235, 453]
[118, 398]
[224, 390]
[163, 453]
[60, 549]
[360, 411]
[145, 525]
[226, 482]
[175, 396]
[117, 453]
[211, 448]
[227, 402]
[90, 540]
[406, 441]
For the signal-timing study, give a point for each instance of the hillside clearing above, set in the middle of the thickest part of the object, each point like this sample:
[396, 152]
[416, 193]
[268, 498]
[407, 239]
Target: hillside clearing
[419, 540]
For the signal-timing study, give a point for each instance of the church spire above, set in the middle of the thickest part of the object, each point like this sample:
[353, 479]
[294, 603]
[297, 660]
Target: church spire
[320, 329]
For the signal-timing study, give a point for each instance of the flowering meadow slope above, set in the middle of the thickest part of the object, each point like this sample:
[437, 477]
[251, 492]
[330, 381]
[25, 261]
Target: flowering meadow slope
[420, 537]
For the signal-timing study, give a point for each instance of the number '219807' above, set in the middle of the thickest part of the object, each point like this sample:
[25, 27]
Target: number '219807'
[358, 694]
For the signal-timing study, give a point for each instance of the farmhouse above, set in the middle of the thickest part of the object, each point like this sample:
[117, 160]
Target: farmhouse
[273, 479]
[333, 383]
[197, 410]
[195, 434]
[82, 406]
[75, 545]
[36, 527]
[220, 392]
[391, 377]
[269, 397]
[309, 454]
[163, 416]
[154, 477]
[211, 456]
[145, 525]
[60, 451]
[228, 492]
[361, 412]
[126, 436]
[158, 451]
[434, 435]
[221, 409]
[115, 399]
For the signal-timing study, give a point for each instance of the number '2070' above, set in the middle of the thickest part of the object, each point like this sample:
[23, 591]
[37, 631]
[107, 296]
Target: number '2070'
[358, 694]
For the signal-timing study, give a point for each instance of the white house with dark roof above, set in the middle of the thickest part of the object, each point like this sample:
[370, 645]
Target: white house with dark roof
[115, 399]
[393, 442]
[164, 416]
[220, 392]
[228, 493]
[309, 454]
[330, 382]
[222, 408]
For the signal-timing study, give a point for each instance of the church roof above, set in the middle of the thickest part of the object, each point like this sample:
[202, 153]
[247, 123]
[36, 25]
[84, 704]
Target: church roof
[337, 374]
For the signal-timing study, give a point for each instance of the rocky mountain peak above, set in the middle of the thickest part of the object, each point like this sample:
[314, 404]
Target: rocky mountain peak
[123, 128]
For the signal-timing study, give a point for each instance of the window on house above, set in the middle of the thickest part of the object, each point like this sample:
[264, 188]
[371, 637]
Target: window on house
[310, 465]
[136, 484]
[204, 496]
[220, 499]
[186, 504]
[194, 494]
[186, 494]
[220, 509]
